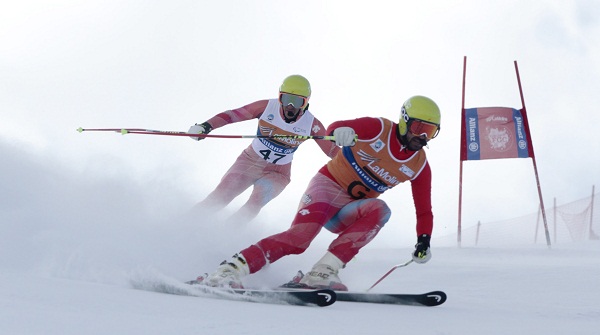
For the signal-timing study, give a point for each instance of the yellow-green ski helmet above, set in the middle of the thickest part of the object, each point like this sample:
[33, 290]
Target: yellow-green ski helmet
[296, 84]
[420, 115]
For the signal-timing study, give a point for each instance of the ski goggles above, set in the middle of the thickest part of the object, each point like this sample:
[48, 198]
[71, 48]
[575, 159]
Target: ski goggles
[420, 128]
[295, 100]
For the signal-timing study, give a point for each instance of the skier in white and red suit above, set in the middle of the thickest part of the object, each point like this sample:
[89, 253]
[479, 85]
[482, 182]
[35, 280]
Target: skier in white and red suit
[377, 155]
[266, 163]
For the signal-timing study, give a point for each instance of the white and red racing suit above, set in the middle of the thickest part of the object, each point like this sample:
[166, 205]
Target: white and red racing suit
[266, 163]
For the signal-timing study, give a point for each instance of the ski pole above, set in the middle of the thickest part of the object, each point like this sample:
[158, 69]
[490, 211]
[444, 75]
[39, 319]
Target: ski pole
[125, 131]
[387, 273]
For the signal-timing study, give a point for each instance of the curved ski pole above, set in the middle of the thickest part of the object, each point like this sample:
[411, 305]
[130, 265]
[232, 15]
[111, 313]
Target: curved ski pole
[387, 273]
[125, 131]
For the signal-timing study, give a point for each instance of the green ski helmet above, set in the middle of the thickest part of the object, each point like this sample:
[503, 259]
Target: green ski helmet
[296, 85]
[421, 116]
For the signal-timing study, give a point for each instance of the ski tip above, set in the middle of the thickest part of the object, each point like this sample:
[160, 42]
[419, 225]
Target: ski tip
[326, 297]
[435, 298]
[79, 129]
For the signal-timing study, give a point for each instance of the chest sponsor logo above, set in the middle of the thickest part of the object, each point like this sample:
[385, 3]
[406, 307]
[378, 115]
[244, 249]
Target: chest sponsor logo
[376, 170]
[407, 171]
[377, 145]
[299, 130]
[266, 130]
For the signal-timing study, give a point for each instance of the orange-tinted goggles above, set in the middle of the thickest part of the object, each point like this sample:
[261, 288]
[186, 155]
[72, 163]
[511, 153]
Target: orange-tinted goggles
[420, 128]
[291, 99]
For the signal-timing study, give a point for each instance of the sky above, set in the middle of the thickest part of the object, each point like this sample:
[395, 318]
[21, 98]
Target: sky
[167, 65]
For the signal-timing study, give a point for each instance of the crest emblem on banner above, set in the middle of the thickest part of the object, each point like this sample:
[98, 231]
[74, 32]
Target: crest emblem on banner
[499, 138]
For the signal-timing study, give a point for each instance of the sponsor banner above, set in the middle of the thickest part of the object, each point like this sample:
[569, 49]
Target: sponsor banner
[494, 133]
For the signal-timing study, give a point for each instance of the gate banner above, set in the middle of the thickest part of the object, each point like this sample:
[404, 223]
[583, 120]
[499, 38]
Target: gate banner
[494, 133]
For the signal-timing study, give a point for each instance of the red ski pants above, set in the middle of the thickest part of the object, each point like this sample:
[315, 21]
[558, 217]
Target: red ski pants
[325, 204]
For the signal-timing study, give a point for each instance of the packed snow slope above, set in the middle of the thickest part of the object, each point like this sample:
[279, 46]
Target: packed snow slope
[72, 244]
[86, 289]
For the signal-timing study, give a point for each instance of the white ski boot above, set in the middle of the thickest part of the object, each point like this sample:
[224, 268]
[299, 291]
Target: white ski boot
[324, 274]
[229, 273]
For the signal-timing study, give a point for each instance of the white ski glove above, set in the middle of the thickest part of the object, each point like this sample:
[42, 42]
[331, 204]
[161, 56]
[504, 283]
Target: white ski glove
[344, 136]
[203, 128]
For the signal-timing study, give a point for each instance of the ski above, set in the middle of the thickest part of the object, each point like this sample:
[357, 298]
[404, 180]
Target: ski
[317, 297]
[433, 298]
[320, 297]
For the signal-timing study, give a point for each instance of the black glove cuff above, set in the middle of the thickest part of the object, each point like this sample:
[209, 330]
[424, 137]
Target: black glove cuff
[424, 239]
[207, 127]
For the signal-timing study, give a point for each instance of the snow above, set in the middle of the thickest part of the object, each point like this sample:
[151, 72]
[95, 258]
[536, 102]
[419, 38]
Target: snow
[518, 290]
[71, 244]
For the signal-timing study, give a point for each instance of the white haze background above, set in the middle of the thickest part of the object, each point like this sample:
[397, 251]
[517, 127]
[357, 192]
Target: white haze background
[83, 214]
